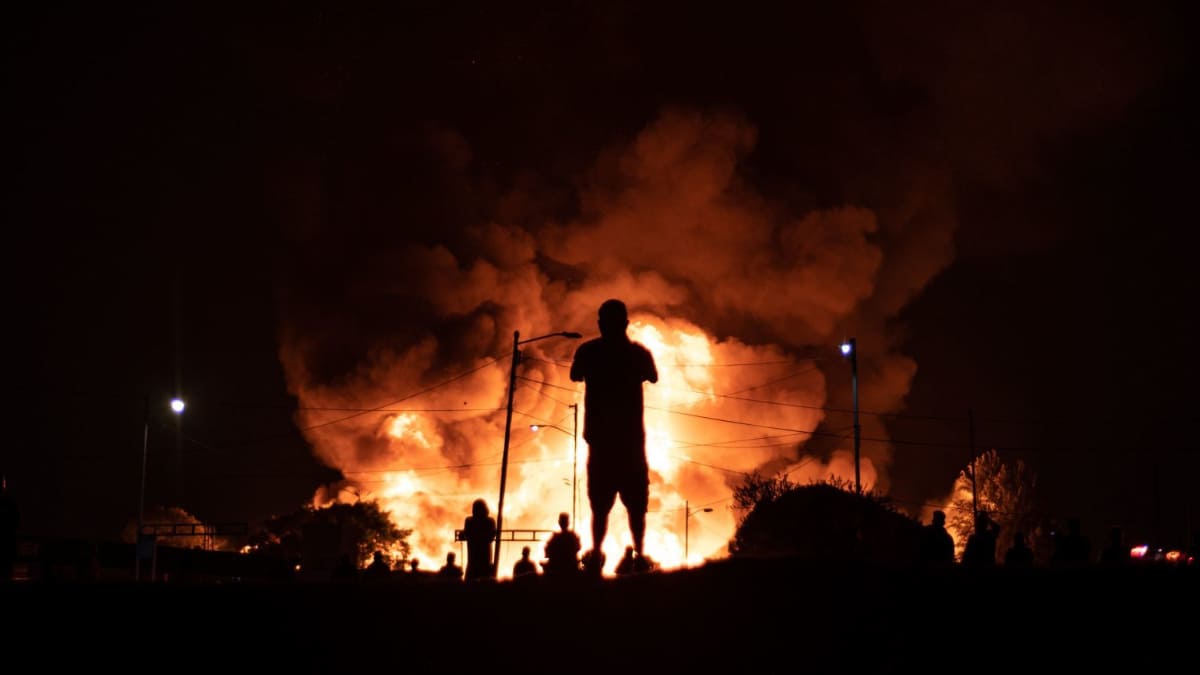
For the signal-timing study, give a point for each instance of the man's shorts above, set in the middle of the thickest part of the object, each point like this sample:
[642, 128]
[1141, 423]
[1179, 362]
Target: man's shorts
[616, 473]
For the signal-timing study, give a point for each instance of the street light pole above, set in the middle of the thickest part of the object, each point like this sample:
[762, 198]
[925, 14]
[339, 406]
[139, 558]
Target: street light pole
[575, 466]
[687, 517]
[850, 349]
[177, 406]
[512, 385]
[137, 535]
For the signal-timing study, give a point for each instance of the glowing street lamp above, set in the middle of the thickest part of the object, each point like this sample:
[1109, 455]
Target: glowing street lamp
[850, 351]
[687, 516]
[575, 460]
[177, 406]
[512, 385]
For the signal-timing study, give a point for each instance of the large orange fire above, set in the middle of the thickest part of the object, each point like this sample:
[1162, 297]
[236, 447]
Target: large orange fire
[721, 409]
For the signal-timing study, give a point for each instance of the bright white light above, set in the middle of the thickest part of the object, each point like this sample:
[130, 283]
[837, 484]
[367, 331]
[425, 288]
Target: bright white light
[534, 427]
[177, 405]
[845, 349]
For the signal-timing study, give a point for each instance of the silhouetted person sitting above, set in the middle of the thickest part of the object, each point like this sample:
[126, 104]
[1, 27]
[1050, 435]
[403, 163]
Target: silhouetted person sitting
[479, 530]
[937, 546]
[524, 569]
[450, 571]
[1116, 553]
[345, 569]
[626, 566]
[1019, 554]
[378, 569]
[614, 368]
[981, 545]
[1071, 547]
[562, 550]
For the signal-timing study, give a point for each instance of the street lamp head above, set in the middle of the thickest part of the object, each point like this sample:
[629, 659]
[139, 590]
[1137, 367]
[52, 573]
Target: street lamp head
[177, 405]
[708, 510]
[847, 348]
[534, 427]
[572, 335]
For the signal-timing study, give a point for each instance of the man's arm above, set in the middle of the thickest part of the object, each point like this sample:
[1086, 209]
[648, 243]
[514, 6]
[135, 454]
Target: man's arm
[651, 371]
[579, 365]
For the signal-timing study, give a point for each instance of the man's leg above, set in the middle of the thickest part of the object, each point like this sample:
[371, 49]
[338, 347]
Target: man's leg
[637, 527]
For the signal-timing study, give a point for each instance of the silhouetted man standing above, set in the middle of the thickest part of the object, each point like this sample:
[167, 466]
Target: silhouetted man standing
[614, 368]
[937, 546]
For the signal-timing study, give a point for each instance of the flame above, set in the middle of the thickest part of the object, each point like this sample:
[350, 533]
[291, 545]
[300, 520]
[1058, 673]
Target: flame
[707, 421]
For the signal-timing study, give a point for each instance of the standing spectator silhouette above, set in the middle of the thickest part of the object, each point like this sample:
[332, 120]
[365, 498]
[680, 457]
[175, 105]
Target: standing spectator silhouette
[981, 545]
[378, 569]
[1116, 553]
[613, 368]
[450, 571]
[479, 530]
[10, 519]
[525, 569]
[937, 546]
[562, 550]
[1071, 547]
[1019, 554]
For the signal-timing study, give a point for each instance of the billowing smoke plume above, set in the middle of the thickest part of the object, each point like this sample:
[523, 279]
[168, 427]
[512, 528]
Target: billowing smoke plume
[742, 300]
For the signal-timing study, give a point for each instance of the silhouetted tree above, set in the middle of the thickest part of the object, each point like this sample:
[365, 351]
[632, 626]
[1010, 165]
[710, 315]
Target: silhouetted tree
[1006, 493]
[758, 491]
[365, 526]
[821, 521]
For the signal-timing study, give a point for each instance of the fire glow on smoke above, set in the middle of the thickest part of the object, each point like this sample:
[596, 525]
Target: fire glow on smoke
[695, 455]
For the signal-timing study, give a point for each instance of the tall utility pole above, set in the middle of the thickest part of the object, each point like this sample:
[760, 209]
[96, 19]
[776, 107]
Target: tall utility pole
[575, 466]
[850, 350]
[512, 385]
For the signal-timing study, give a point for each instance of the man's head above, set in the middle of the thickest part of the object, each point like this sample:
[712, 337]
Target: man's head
[525, 552]
[939, 518]
[564, 520]
[614, 318]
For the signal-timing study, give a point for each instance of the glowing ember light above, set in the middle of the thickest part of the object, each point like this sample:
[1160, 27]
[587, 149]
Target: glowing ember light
[1139, 551]
[177, 405]
[1174, 556]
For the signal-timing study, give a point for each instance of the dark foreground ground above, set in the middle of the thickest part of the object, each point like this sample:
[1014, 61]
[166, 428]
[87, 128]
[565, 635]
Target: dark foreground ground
[732, 617]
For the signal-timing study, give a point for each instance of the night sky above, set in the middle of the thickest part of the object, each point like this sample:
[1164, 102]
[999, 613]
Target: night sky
[192, 187]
